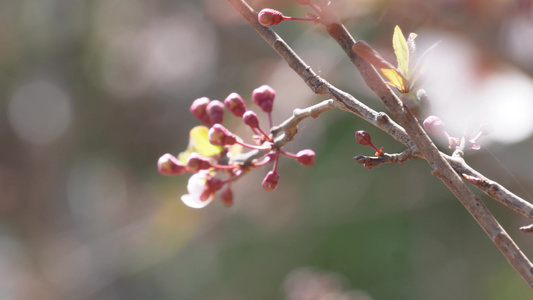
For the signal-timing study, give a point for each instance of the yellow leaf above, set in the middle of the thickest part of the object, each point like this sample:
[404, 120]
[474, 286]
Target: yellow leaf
[402, 51]
[396, 79]
[199, 141]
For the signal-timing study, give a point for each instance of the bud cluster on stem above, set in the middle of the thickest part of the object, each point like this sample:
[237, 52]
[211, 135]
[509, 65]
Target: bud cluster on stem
[214, 151]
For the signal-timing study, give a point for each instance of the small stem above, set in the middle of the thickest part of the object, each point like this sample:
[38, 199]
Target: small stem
[275, 168]
[266, 135]
[288, 154]
[264, 148]
[298, 19]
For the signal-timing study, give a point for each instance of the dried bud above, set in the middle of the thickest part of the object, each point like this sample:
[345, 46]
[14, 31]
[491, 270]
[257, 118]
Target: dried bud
[306, 157]
[250, 118]
[220, 135]
[196, 162]
[362, 137]
[199, 110]
[169, 165]
[434, 125]
[270, 182]
[269, 17]
[235, 104]
[226, 196]
[263, 97]
[215, 111]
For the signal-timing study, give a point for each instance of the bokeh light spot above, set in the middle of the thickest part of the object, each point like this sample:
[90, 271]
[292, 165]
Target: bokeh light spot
[40, 112]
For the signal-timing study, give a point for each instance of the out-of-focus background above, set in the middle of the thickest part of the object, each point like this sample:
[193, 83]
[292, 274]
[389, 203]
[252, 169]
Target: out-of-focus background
[93, 92]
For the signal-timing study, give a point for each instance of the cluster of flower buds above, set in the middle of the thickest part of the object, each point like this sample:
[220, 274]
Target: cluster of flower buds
[216, 151]
[435, 126]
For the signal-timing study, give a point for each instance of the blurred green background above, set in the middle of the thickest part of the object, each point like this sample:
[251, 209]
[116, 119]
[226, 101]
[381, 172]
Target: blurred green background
[93, 92]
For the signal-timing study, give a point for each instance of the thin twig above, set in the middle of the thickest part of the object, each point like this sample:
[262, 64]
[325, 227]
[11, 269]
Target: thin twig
[397, 158]
[493, 189]
[286, 131]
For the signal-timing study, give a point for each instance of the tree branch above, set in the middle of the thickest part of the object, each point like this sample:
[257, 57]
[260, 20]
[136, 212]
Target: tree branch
[410, 133]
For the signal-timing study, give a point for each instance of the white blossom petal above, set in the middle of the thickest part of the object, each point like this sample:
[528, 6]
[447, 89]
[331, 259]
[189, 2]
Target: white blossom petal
[196, 186]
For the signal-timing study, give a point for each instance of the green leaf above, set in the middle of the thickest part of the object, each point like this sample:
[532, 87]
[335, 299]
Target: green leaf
[200, 142]
[402, 51]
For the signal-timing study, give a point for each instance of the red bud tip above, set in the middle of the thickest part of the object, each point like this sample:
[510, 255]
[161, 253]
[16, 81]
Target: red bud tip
[270, 182]
[269, 17]
[196, 162]
[169, 165]
[220, 135]
[263, 97]
[250, 118]
[215, 111]
[226, 196]
[235, 104]
[434, 125]
[362, 137]
[306, 157]
[199, 110]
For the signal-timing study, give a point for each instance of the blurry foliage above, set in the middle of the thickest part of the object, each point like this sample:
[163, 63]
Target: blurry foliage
[85, 215]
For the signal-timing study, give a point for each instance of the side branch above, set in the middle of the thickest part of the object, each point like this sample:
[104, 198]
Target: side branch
[398, 158]
[493, 189]
[286, 131]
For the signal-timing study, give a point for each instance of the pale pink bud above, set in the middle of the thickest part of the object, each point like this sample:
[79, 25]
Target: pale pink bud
[270, 182]
[199, 110]
[269, 17]
[169, 165]
[220, 135]
[434, 125]
[263, 97]
[250, 118]
[306, 157]
[196, 162]
[215, 111]
[235, 104]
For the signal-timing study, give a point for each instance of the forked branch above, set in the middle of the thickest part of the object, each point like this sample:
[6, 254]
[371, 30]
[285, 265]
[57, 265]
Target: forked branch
[409, 132]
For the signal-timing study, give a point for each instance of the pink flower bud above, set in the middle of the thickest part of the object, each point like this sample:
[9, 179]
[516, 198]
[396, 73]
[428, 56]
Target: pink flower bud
[303, 2]
[306, 157]
[434, 125]
[362, 137]
[235, 104]
[227, 196]
[269, 17]
[214, 184]
[169, 165]
[195, 162]
[215, 111]
[270, 182]
[250, 118]
[263, 97]
[199, 110]
[220, 135]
